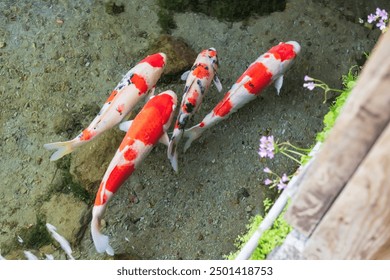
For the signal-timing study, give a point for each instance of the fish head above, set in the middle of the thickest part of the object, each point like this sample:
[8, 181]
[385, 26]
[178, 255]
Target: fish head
[214, 57]
[286, 52]
[296, 46]
[157, 60]
[211, 54]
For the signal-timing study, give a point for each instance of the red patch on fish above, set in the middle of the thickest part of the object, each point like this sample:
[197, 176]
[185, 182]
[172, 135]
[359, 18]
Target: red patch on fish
[260, 77]
[283, 51]
[116, 178]
[224, 106]
[201, 124]
[155, 60]
[130, 154]
[193, 98]
[212, 53]
[200, 71]
[112, 96]
[86, 135]
[120, 108]
[148, 124]
[139, 83]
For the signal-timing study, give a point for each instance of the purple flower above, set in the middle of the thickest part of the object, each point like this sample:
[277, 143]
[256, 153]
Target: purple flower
[266, 148]
[284, 178]
[268, 182]
[307, 78]
[281, 185]
[381, 25]
[382, 14]
[309, 86]
[267, 170]
[371, 18]
[282, 182]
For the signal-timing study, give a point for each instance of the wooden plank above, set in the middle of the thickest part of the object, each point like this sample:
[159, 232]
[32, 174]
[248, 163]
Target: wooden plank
[357, 225]
[365, 115]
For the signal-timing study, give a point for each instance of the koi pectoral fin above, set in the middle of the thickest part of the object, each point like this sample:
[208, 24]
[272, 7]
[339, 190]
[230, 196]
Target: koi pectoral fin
[172, 149]
[217, 83]
[164, 139]
[185, 75]
[124, 126]
[192, 134]
[279, 84]
[151, 93]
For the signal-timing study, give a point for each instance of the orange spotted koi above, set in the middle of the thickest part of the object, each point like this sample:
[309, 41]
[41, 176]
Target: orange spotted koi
[198, 81]
[266, 69]
[139, 82]
[147, 128]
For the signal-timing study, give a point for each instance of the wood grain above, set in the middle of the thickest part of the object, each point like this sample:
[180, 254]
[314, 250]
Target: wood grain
[363, 118]
[358, 224]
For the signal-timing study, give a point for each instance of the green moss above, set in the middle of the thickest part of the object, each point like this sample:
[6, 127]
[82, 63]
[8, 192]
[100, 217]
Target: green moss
[229, 10]
[166, 20]
[113, 9]
[37, 235]
[270, 239]
[349, 81]
[67, 184]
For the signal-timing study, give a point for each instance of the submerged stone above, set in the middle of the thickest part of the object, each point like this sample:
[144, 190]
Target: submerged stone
[180, 56]
[65, 212]
[230, 10]
[89, 163]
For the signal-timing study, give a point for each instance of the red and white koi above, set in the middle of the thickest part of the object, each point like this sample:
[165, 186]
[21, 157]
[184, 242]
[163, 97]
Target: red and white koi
[269, 67]
[139, 82]
[147, 128]
[198, 81]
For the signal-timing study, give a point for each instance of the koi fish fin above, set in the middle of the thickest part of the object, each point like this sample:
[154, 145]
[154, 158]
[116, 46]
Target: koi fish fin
[60, 239]
[279, 84]
[217, 83]
[172, 148]
[30, 256]
[63, 148]
[100, 240]
[150, 93]
[172, 154]
[124, 126]
[164, 139]
[192, 134]
[184, 76]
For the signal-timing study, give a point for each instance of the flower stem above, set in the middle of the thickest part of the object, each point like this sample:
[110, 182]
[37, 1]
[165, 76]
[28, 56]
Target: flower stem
[291, 157]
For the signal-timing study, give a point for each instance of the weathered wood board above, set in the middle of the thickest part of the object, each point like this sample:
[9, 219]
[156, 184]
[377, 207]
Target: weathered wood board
[357, 226]
[363, 118]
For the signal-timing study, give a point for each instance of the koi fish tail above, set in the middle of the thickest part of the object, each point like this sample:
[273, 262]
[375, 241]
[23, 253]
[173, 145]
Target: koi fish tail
[172, 148]
[100, 240]
[63, 148]
[192, 134]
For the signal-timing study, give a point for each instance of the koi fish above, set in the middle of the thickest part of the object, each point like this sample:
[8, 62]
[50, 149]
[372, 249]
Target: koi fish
[30, 256]
[139, 82]
[198, 80]
[60, 239]
[147, 128]
[266, 69]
